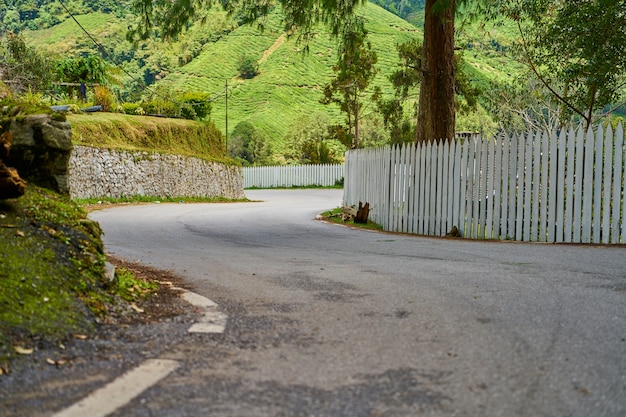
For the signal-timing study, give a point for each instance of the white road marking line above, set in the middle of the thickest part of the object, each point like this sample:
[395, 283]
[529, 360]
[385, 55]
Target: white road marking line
[121, 391]
[212, 321]
[197, 300]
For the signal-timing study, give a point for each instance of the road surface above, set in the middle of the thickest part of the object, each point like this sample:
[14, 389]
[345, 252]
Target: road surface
[324, 320]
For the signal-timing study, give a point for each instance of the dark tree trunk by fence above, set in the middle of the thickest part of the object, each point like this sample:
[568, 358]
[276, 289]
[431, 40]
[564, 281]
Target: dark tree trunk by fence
[436, 116]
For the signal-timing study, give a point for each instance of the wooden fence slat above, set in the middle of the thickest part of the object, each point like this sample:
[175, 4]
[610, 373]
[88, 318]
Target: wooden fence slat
[497, 198]
[521, 180]
[569, 190]
[513, 185]
[423, 191]
[482, 191]
[416, 189]
[543, 199]
[617, 185]
[607, 185]
[527, 188]
[535, 162]
[456, 185]
[597, 186]
[553, 187]
[475, 195]
[451, 185]
[440, 190]
[578, 184]
[432, 176]
[504, 188]
[587, 194]
[489, 194]
[405, 186]
[442, 201]
[462, 226]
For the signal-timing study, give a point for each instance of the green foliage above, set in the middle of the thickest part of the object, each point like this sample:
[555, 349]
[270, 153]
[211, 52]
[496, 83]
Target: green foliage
[90, 69]
[248, 67]
[23, 67]
[104, 98]
[354, 71]
[160, 107]
[195, 105]
[132, 289]
[248, 145]
[577, 49]
[310, 142]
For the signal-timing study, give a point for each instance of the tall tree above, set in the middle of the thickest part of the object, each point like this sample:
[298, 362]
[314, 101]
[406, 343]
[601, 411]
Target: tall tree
[354, 70]
[22, 66]
[436, 115]
[576, 48]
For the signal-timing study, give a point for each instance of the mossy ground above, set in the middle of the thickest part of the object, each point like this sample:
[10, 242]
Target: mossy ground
[52, 281]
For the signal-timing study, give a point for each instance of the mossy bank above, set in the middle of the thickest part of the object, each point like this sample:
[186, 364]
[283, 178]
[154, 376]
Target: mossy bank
[52, 273]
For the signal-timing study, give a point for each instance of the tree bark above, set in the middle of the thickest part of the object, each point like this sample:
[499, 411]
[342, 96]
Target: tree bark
[436, 115]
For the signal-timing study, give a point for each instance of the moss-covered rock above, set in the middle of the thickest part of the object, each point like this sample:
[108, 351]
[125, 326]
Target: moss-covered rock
[41, 149]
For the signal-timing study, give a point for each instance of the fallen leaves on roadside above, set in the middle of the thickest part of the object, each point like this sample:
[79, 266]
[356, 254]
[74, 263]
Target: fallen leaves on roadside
[79, 336]
[137, 309]
[4, 368]
[56, 362]
[49, 229]
[19, 233]
[22, 350]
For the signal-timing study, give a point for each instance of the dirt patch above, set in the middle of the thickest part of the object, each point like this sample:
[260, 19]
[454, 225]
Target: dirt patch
[165, 303]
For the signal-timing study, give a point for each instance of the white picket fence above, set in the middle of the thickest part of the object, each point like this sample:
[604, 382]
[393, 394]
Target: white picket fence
[546, 187]
[292, 176]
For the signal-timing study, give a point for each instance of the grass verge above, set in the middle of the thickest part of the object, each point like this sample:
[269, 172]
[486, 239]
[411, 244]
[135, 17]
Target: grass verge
[335, 216]
[97, 203]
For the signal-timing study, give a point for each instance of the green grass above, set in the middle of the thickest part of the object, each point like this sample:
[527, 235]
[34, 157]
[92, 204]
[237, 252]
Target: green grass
[149, 134]
[139, 199]
[334, 216]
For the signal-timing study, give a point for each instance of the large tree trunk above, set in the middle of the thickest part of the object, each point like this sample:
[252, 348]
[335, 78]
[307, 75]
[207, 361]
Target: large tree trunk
[436, 116]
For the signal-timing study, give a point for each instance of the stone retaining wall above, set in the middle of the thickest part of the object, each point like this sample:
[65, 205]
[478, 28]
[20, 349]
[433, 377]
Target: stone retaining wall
[98, 172]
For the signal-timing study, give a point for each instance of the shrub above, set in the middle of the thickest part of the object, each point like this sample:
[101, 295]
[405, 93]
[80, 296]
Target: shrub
[248, 67]
[103, 97]
[195, 105]
[160, 107]
[130, 108]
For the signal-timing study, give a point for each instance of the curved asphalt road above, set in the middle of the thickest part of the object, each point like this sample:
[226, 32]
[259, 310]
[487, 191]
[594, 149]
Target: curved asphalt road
[330, 321]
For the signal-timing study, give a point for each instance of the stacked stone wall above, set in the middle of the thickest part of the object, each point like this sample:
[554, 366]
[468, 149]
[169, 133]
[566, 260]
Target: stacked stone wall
[99, 172]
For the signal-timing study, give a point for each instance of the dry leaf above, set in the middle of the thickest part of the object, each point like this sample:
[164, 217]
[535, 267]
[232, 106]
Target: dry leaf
[22, 350]
[19, 233]
[137, 309]
[79, 336]
[49, 229]
[56, 363]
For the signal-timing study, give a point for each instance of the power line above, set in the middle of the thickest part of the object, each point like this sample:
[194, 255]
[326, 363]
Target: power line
[132, 77]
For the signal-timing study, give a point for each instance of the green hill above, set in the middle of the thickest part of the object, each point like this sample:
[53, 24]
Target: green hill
[290, 82]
